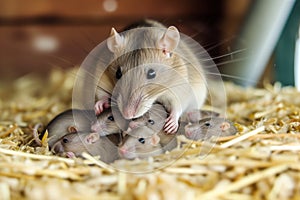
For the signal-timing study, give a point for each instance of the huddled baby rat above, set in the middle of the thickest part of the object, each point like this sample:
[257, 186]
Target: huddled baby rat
[150, 125]
[154, 118]
[106, 124]
[152, 63]
[208, 127]
[69, 121]
[75, 120]
[74, 144]
[141, 143]
[142, 140]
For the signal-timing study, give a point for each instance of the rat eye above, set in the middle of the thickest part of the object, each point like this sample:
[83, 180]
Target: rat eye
[207, 124]
[151, 74]
[142, 140]
[150, 121]
[118, 73]
[111, 118]
[65, 140]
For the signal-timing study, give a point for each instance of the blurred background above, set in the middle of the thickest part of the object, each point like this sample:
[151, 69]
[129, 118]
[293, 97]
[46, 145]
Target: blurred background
[38, 35]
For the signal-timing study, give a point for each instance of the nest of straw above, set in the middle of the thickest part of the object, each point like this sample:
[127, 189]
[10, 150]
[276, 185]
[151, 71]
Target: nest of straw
[260, 162]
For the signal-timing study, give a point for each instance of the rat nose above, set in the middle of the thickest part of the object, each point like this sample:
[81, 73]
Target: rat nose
[133, 124]
[122, 150]
[96, 127]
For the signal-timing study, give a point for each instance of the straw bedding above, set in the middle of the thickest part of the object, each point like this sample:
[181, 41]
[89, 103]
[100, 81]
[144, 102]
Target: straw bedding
[260, 162]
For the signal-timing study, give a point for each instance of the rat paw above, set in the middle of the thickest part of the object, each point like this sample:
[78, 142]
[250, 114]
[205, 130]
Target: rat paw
[101, 105]
[70, 154]
[171, 125]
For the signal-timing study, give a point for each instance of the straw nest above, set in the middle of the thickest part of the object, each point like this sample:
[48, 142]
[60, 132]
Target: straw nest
[260, 162]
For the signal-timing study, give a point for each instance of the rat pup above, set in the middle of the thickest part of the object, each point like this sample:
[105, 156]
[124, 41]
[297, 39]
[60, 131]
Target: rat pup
[69, 121]
[141, 143]
[75, 120]
[154, 118]
[209, 127]
[74, 144]
[106, 124]
[152, 63]
[146, 135]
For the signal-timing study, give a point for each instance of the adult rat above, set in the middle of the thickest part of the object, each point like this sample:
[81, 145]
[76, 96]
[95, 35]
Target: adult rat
[151, 63]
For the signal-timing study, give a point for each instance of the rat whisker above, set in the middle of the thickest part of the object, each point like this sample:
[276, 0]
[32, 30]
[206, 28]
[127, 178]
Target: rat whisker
[208, 47]
[225, 63]
[232, 77]
[225, 55]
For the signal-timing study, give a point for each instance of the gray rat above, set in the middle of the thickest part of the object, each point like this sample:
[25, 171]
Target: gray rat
[153, 65]
[106, 124]
[145, 134]
[208, 127]
[69, 121]
[141, 143]
[154, 118]
[75, 120]
[74, 144]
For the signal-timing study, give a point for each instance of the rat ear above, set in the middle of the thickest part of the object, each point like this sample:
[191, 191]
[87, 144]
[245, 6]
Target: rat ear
[92, 138]
[155, 139]
[115, 41]
[170, 40]
[72, 129]
[224, 126]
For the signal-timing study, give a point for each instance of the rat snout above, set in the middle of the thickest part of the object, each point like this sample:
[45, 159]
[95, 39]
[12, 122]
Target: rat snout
[57, 147]
[134, 124]
[127, 152]
[98, 128]
[193, 132]
[123, 150]
[131, 108]
[95, 127]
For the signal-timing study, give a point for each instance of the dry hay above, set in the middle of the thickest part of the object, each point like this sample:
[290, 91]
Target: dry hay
[260, 162]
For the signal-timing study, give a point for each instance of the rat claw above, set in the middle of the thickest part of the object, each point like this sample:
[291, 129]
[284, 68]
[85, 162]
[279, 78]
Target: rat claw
[70, 154]
[171, 126]
[100, 105]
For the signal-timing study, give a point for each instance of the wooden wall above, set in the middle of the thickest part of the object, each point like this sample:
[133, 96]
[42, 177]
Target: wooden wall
[36, 35]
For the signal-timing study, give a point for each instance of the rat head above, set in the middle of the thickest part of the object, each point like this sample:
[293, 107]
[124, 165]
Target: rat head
[140, 143]
[105, 124]
[73, 144]
[154, 118]
[209, 127]
[145, 67]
